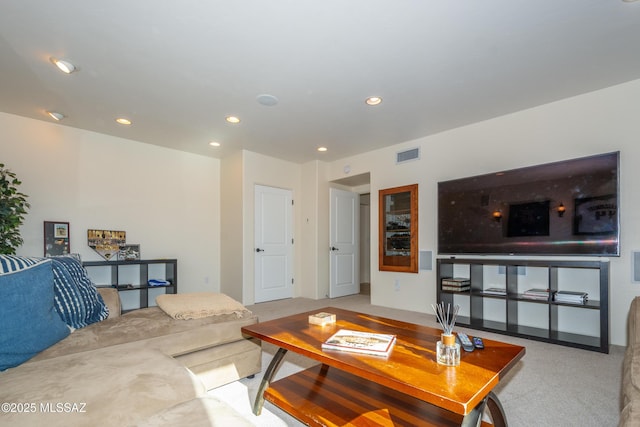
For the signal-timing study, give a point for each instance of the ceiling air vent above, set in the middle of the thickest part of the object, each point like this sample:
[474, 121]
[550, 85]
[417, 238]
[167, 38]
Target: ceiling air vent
[408, 155]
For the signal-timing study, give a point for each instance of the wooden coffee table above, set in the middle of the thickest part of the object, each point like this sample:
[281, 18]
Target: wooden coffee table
[406, 388]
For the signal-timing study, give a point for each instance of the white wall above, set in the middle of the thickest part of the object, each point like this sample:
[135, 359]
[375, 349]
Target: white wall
[594, 123]
[232, 226]
[309, 283]
[167, 201]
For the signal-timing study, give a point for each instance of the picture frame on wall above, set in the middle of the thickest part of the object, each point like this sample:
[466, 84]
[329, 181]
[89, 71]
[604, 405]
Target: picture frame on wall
[57, 238]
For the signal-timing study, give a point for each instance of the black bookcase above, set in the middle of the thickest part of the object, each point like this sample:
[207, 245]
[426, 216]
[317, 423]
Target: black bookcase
[580, 325]
[119, 274]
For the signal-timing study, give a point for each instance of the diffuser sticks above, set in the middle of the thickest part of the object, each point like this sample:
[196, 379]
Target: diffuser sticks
[446, 316]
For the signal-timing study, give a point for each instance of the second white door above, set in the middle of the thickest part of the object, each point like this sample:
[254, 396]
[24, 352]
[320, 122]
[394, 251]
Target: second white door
[344, 228]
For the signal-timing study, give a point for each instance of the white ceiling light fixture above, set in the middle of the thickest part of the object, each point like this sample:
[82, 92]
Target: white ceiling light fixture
[232, 119]
[123, 121]
[214, 144]
[322, 149]
[64, 66]
[373, 100]
[267, 100]
[55, 115]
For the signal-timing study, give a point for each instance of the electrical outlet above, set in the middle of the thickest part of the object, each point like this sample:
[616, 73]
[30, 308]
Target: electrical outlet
[397, 285]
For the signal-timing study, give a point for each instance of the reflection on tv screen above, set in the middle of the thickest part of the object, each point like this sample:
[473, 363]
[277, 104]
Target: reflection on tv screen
[563, 208]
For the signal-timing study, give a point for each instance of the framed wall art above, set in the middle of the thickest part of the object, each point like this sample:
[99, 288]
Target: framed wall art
[56, 238]
[106, 242]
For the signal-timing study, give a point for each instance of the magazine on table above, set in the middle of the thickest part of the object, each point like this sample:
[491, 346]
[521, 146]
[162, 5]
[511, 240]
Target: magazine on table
[360, 342]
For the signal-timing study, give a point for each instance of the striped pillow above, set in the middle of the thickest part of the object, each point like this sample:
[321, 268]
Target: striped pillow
[77, 300]
[13, 263]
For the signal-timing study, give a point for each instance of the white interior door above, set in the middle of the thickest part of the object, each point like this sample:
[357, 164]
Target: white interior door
[273, 244]
[344, 240]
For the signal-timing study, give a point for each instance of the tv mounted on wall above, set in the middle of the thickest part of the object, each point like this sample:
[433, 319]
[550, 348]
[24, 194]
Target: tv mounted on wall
[563, 208]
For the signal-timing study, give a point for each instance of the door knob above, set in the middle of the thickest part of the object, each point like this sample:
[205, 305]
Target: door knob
[333, 248]
[259, 250]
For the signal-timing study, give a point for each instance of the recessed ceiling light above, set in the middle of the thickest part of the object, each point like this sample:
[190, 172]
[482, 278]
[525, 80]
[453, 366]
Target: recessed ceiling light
[55, 116]
[64, 66]
[322, 149]
[373, 100]
[123, 121]
[232, 119]
[214, 144]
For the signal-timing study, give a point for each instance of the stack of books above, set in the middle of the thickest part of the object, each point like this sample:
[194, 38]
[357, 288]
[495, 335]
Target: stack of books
[455, 284]
[535, 293]
[495, 291]
[571, 297]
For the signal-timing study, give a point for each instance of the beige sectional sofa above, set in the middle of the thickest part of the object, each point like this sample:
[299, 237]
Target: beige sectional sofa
[630, 415]
[140, 368]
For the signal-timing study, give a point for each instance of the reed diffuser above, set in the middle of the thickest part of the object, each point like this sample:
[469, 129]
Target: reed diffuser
[447, 349]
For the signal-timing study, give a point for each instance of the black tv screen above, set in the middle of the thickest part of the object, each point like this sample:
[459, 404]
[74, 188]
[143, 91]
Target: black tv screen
[563, 208]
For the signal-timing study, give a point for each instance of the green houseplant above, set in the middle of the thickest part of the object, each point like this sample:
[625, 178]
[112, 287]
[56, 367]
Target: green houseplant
[13, 208]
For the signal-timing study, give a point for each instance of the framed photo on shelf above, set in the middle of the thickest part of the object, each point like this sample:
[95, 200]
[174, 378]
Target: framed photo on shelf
[56, 238]
[129, 253]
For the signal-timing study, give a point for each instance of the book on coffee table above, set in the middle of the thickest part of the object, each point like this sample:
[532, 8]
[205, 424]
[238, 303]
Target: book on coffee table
[360, 342]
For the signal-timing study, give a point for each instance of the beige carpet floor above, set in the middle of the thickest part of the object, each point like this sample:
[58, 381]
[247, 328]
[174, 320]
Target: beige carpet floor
[551, 386]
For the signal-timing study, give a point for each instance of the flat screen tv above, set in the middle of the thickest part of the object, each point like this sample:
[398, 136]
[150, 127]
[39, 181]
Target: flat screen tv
[564, 208]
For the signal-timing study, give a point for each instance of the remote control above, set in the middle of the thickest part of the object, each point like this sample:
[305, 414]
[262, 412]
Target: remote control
[477, 342]
[465, 342]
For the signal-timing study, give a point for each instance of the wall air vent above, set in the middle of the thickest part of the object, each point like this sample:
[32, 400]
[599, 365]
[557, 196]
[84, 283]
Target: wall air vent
[408, 155]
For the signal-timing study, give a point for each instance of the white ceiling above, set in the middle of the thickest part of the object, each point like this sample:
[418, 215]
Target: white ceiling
[177, 68]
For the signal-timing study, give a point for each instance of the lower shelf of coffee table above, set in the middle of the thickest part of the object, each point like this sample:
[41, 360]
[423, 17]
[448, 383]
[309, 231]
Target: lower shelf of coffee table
[323, 396]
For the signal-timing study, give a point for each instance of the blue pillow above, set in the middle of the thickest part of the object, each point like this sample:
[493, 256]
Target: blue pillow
[30, 323]
[76, 298]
